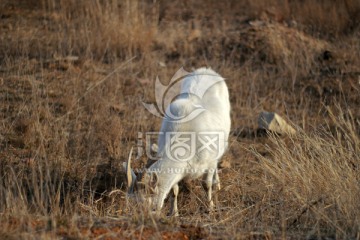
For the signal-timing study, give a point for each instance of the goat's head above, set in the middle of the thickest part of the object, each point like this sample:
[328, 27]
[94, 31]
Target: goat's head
[144, 186]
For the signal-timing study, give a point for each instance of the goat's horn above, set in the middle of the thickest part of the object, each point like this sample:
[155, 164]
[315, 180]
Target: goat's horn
[130, 175]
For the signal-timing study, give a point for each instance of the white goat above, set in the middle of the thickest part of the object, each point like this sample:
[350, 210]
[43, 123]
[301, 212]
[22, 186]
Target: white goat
[190, 148]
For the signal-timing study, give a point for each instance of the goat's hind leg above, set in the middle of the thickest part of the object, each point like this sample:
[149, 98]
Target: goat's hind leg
[216, 180]
[216, 183]
[209, 180]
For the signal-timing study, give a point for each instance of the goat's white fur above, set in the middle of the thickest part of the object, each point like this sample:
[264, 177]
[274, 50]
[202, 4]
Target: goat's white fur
[214, 118]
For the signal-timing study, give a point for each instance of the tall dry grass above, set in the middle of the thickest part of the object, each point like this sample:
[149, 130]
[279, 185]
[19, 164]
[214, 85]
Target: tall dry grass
[314, 178]
[67, 124]
[327, 18]
[106, 30]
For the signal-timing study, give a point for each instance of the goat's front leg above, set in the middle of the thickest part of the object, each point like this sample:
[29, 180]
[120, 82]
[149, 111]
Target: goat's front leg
[174, 208]
[160, 202]
[161, 195]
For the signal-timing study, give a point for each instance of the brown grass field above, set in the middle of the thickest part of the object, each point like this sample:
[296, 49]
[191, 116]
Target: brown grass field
[73, 75]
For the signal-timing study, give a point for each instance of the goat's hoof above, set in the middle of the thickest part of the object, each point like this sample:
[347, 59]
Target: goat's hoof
[155, 213]
[211, 206]
[173, 214]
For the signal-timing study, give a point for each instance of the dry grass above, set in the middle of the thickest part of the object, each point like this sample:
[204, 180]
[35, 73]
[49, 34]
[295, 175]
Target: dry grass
[329, 18]
[314, 179]
[72, 78]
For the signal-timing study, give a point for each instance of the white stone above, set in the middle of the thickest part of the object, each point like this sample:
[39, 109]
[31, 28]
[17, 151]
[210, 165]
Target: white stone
[273, 122]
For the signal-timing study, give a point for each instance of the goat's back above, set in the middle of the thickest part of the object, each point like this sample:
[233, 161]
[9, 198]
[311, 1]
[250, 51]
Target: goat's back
[205, 93]
[209, 88]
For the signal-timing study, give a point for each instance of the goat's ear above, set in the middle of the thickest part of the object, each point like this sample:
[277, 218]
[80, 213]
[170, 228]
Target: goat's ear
[153, 180]
[130, 175]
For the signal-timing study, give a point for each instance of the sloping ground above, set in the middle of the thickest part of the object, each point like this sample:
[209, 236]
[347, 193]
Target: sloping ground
[71, 110]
